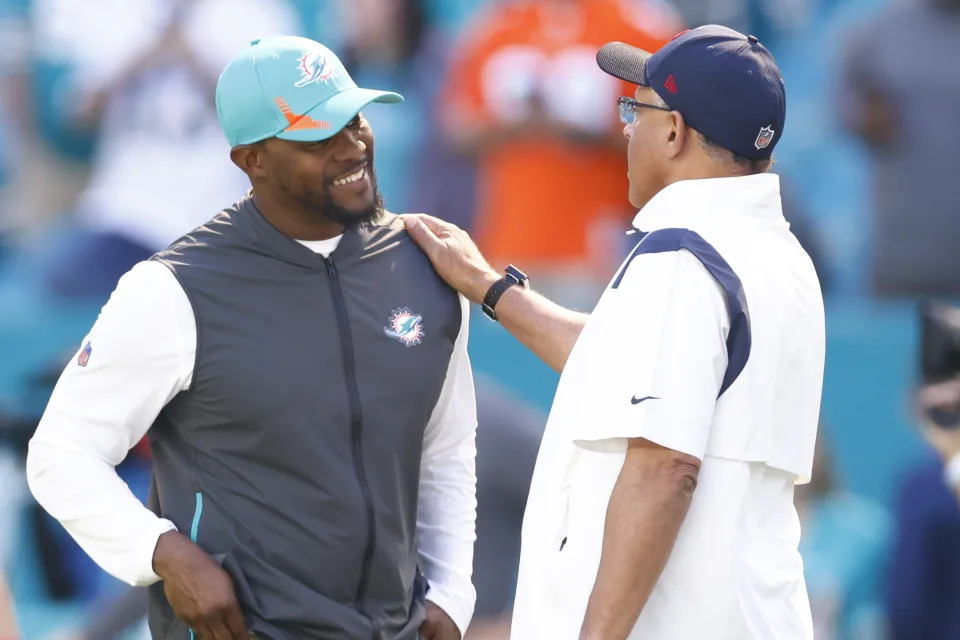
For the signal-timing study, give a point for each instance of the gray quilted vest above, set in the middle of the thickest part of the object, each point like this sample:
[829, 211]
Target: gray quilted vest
[294, 456]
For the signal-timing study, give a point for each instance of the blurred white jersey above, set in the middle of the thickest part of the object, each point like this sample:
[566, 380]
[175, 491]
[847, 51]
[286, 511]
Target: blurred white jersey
[709, 341]
[162, 163]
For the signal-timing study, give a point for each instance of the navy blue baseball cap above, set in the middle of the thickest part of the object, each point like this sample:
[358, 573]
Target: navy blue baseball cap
[726, 85]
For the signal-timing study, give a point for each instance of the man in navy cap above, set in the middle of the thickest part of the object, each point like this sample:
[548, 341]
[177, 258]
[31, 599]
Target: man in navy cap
[662, 501]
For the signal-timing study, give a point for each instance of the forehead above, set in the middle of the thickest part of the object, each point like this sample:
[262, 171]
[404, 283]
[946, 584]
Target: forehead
[279, 145]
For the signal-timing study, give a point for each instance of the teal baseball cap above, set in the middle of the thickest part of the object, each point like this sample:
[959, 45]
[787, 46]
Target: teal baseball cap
[291, 88]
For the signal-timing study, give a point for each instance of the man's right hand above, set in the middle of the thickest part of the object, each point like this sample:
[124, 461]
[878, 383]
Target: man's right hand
[547, 329]
[199, 591]
[453, 254]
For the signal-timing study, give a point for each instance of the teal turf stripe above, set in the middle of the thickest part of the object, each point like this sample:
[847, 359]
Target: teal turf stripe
[196, 517]
[195, 527]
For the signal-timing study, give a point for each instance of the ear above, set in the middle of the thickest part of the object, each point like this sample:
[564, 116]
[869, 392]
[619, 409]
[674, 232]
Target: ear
[249, 157]
[678, 135]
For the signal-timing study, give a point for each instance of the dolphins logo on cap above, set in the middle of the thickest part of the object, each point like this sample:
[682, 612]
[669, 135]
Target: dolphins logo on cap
[313, 68]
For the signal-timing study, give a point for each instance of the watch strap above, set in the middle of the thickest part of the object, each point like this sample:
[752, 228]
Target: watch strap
[496, 290]
[512, 277]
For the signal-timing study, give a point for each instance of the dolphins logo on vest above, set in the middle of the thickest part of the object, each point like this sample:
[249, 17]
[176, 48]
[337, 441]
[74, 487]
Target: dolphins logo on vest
[405, 326]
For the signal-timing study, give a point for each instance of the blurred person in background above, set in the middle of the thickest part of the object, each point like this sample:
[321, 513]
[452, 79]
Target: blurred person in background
[923, 585]
[14, 57]
[508, 437]
[945, 441]
[924, 577]
[143, 79]
[938, 400]
[767, 19]
[846, 540]
[13, 113]
[445, 177]
[385, 42]
[524, 95]
[902, 100]
[112, 618]
[8, 618]
[323, 472]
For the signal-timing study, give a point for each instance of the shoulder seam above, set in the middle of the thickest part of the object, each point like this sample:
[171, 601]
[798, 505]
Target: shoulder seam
[196, 318]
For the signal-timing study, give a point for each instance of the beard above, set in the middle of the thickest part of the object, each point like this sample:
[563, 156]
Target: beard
[323, 203]
[351, 217]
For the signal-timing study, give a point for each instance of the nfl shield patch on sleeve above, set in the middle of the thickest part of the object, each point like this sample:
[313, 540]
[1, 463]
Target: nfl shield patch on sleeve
[84, 356]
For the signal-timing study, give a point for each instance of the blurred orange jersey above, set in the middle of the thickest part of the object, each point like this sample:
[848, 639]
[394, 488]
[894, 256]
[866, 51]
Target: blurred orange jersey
[541, 193]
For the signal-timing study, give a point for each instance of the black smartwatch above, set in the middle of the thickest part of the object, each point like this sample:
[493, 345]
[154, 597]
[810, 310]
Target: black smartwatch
[513, 277]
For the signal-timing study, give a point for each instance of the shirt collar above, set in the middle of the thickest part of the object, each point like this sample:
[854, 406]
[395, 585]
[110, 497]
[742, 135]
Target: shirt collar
[349, 249]
[683, 203]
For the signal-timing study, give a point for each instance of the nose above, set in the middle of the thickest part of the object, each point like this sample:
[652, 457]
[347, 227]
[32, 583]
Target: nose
[350, 145]
[627, 131]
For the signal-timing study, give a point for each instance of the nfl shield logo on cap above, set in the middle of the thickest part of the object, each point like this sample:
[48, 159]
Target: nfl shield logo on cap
[764, 138]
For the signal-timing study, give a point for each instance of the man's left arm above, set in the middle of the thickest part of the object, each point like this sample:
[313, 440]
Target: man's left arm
[446, 521]
[648, 504]
[667, 346]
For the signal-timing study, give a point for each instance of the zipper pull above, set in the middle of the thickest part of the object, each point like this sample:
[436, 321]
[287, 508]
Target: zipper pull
[331, 268]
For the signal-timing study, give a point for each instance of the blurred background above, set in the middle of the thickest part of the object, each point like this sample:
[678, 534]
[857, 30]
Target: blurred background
[110, 149]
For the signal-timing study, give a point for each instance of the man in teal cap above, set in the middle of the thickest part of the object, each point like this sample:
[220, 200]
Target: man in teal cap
[293, 90]
[301, 372]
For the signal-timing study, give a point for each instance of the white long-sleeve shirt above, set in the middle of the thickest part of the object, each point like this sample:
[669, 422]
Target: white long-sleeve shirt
[142, 352]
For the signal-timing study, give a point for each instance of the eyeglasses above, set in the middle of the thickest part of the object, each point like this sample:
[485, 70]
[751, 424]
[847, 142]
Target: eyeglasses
[629, 106]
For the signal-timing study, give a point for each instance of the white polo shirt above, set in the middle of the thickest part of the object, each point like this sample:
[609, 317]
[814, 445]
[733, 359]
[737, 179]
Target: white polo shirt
[709, 341]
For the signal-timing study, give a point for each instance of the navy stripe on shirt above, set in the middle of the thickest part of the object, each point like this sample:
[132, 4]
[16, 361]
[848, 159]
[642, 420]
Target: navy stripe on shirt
[738, 339]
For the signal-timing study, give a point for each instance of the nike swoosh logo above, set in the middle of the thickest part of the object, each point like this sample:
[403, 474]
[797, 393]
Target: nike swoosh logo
[636, 400]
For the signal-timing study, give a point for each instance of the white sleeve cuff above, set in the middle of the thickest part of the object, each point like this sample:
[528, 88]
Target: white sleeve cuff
[144, 575]
[458, 607]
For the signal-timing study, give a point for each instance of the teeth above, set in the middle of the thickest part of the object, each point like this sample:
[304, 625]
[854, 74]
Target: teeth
[351, 178]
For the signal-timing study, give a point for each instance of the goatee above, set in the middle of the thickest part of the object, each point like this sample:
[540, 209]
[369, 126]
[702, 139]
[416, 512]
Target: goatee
[351, 217]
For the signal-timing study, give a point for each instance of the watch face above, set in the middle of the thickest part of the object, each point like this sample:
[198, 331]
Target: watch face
[517, 275]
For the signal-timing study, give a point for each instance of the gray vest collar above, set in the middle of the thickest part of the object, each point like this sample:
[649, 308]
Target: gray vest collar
[269, 240]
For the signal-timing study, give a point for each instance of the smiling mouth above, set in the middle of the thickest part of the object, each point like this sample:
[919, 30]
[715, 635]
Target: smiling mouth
[359, 174]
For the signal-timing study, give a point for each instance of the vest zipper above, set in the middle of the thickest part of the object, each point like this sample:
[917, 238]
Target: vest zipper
[356, 424]
[195, 527]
